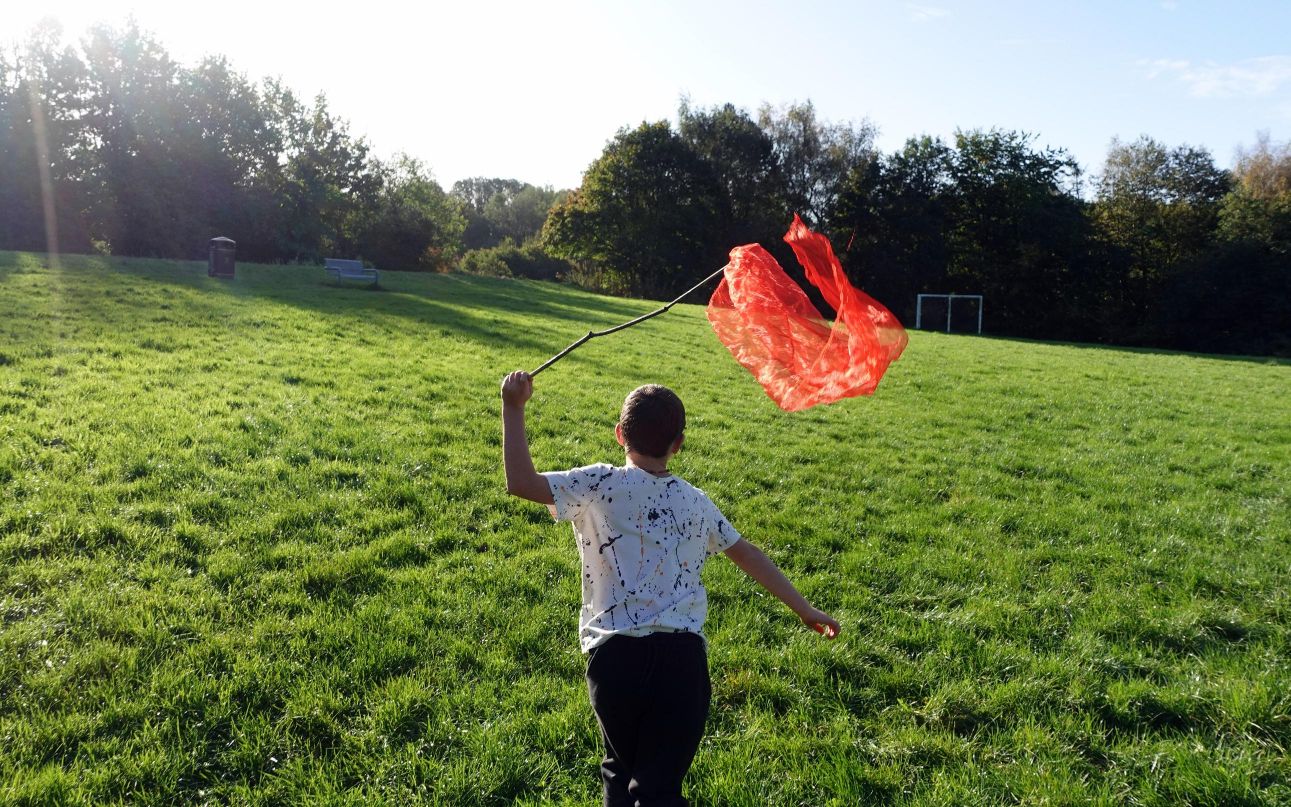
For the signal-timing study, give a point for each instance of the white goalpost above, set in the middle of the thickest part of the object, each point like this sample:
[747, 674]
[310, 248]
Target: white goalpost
[950, 306]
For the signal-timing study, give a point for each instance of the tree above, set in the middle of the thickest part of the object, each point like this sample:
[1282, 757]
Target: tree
[1258, 210]
[502, 209]
[644, 215]
[892, 215]
[754, 204]
[815, 157]
[414, 224]
[328, 181]
[135, 113]
[475, 193]
[1234, 299]
[44, 146]
[1237, 296]
[519, 216]
[1160, 207]
[231, 153]
[139, 155]
[992, 215]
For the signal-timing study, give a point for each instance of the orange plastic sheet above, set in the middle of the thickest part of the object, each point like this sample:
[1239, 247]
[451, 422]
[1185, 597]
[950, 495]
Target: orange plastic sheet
[800, 358]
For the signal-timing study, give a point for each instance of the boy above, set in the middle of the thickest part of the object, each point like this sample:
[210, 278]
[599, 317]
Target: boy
[643, 535]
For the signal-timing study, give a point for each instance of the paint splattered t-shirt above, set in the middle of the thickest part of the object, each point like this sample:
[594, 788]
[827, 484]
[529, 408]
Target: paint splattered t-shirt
[643, 540]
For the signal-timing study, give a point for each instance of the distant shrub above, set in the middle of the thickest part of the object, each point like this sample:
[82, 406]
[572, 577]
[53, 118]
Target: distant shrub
[591, 277]
[508, 260]
[485, 262]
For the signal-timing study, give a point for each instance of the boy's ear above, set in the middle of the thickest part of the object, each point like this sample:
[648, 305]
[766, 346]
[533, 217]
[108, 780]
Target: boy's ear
[681, 438]
[618, 434]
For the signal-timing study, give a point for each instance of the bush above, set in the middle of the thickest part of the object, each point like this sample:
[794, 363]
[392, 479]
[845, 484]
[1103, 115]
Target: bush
[484, 262]
[508, 260]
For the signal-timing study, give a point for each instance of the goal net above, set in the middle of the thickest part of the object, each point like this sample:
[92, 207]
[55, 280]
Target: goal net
[953, 312]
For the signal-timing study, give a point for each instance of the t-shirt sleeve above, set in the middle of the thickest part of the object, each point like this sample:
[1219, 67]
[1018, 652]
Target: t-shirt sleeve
[573, 490]
[721, 535]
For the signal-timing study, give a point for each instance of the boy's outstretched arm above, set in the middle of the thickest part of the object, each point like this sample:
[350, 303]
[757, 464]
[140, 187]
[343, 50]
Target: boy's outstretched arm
[522, 479]
[756, 564]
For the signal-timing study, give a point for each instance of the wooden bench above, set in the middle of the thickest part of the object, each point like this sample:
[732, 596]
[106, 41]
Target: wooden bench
[350, 270]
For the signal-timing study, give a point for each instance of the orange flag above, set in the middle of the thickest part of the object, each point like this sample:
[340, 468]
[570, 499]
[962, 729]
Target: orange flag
[800, 358]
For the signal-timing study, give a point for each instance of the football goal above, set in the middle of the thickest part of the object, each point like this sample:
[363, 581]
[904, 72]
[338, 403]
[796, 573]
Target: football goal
[950, 309]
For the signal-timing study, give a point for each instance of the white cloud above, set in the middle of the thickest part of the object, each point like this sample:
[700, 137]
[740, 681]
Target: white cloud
[1262, 76]
[1170, 5]
[926, 13]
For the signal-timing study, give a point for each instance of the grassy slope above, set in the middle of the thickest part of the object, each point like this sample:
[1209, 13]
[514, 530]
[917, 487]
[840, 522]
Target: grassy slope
[253, 548]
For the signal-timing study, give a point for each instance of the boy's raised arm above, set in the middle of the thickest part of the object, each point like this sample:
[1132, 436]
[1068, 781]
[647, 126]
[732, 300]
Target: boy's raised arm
[522, 479]
[754, 562]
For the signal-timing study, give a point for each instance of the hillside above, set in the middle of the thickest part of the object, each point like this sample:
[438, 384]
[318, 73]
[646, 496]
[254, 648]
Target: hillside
[255, 548]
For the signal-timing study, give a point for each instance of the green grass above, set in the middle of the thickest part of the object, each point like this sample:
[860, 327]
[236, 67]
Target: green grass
[254, 548]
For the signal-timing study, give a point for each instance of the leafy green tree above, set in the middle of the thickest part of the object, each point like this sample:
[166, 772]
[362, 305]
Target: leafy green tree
[135, 113]
[475, 193]
[992, 216]
[44, 146]
[1236, 297]
[328, 181]
[414, 224]
[185, 154]
[231, 153]
[22, 224]
[754, 205]
[1258, 209]
[519, 216]
[892, 220]
[644, 215]
[502, 209]
[1159, 206]
[1016, 227]
[814, 156]
[142, 156]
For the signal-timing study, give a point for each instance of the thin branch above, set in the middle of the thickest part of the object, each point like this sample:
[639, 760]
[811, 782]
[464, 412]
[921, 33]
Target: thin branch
[593, 334]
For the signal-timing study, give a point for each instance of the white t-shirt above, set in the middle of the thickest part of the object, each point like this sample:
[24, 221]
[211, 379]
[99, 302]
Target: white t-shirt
[643, 540]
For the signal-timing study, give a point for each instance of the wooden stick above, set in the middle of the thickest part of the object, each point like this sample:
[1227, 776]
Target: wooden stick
[593, 334]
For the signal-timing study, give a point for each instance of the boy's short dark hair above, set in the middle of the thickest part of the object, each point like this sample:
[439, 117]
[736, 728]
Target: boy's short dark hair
[652, 418]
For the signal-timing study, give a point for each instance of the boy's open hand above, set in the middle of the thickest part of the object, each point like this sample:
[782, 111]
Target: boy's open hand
[517, 388]
[821, 622]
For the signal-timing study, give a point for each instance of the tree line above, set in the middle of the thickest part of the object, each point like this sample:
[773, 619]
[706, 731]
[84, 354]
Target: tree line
[1162, 248]
[114, 147]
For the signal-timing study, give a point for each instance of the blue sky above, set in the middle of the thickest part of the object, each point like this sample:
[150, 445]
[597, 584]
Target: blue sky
[534, 90]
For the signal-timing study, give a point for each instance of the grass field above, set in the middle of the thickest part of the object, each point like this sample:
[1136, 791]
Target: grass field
[255, 549]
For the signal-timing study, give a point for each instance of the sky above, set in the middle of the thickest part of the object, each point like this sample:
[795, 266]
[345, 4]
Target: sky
[534, 90]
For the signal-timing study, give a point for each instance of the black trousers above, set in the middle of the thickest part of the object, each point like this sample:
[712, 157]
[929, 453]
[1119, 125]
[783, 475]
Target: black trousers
[650, 695]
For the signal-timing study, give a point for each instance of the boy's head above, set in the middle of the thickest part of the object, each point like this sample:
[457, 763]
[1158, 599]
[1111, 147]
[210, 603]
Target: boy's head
[652, 420]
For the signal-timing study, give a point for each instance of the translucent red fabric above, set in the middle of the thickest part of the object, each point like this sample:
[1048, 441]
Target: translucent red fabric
[799, 357]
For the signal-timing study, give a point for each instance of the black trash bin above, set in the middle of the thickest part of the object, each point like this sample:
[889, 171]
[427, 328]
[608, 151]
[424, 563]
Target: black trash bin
[220, 263]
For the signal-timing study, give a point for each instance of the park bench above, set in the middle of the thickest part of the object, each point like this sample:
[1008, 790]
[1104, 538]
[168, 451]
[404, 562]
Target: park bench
[350, 270]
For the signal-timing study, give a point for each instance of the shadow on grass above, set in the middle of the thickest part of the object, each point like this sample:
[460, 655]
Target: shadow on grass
[1151, 351]
[305, 287]
[489, 310]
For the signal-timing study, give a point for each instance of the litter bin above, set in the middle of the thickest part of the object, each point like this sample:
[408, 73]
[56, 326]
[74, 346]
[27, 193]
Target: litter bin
[220, 263]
